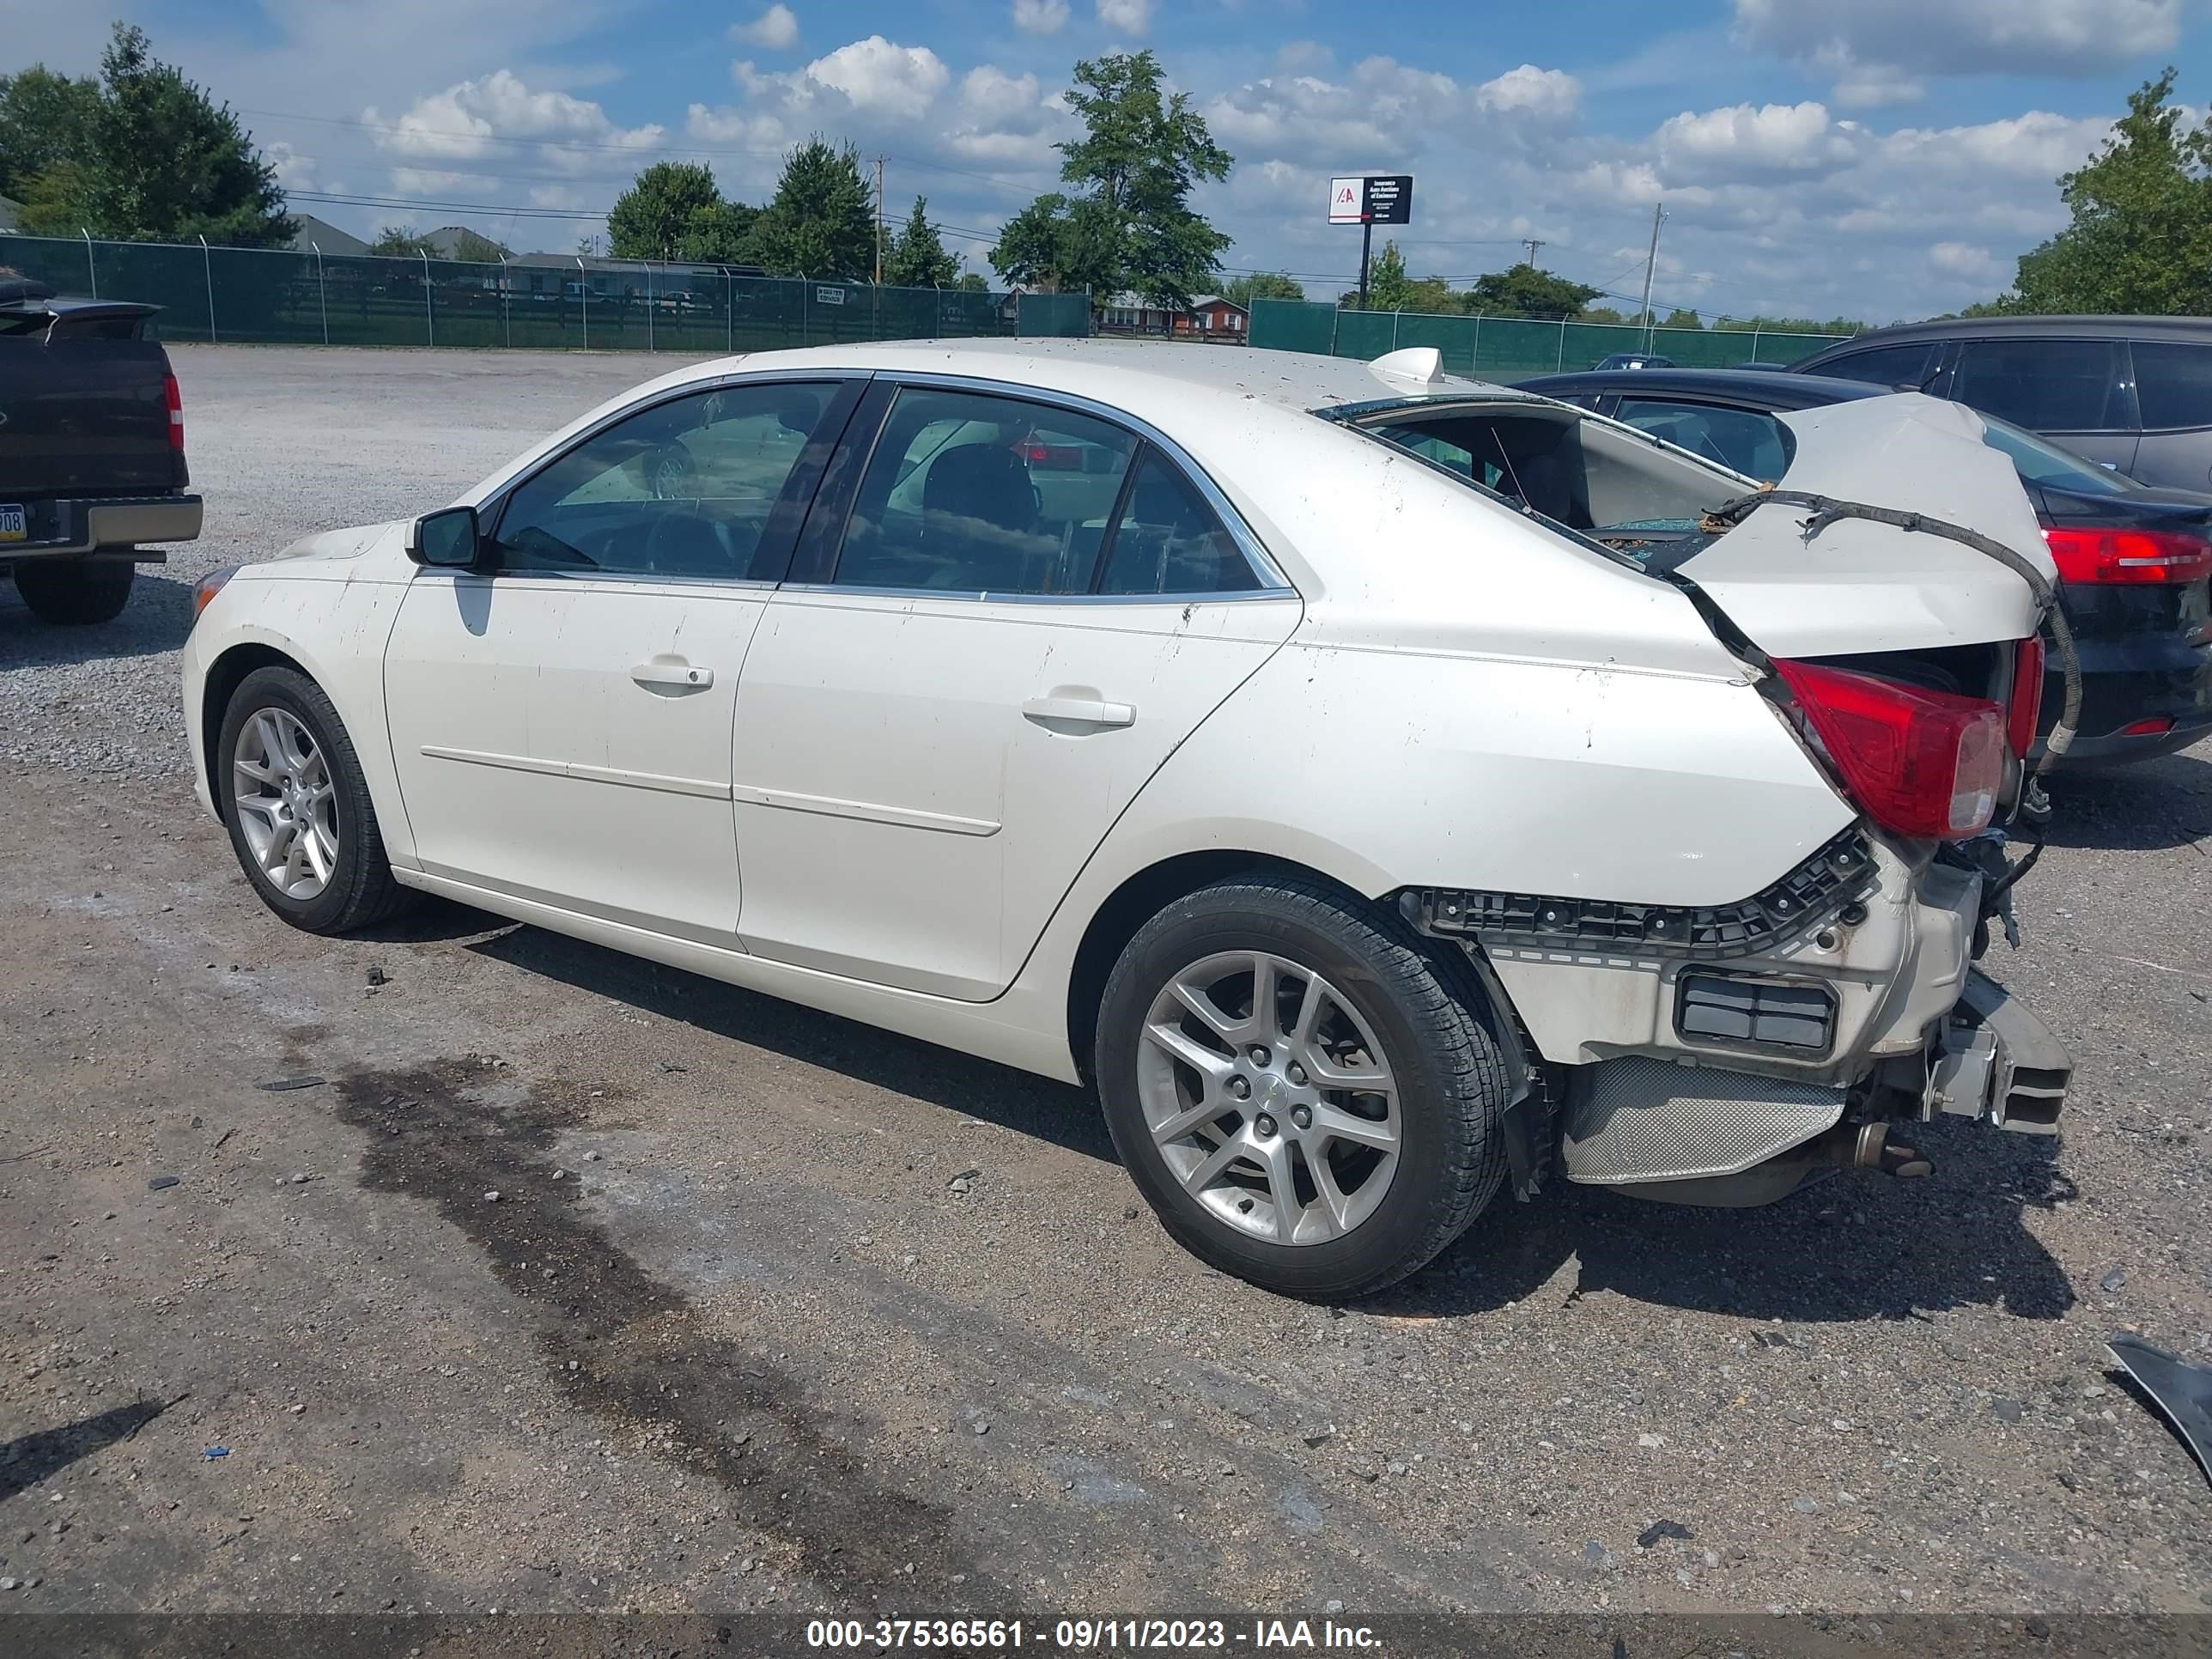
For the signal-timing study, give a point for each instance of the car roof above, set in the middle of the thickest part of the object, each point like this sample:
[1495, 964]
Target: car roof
[2031, 328]
[1750, 386]
[1155, 380]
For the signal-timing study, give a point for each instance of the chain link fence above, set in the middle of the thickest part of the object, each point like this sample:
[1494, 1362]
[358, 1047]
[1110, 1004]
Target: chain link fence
[282, 297]
[1491, 346]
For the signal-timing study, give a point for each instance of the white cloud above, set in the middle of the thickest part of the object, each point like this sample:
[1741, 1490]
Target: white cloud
[994, 98]
[1877, 51]
[1528, 90]
[1041, 16]
[1975, 265]
[1741, 142]
[1128, 16]
[875, 74]
[776, 29]
[468, 120]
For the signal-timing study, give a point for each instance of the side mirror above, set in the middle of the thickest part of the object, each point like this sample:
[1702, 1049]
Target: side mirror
[447, 539]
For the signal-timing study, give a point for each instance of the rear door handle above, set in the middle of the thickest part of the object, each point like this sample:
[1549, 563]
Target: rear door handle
[683, 675]
[1078, 711]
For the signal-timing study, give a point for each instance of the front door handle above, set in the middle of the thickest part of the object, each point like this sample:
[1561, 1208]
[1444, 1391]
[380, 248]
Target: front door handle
[1090, 712]
[684, 676]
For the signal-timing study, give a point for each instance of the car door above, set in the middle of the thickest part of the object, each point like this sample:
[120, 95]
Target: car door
[561, 717]
[2075, 392]
[2173, 394]
[1005, 614]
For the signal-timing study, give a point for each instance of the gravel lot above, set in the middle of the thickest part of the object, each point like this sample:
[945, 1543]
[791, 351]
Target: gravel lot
[728, 1336]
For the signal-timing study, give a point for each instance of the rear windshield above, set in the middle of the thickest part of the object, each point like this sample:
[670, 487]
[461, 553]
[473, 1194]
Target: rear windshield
[1610, 487]
[2043, 462]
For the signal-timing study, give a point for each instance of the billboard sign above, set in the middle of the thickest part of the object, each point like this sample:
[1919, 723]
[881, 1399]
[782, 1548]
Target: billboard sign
[1377, 199]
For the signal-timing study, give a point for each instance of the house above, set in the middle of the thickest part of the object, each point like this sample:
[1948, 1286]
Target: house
[320, 235]
[1131, 313]
[1212, 318]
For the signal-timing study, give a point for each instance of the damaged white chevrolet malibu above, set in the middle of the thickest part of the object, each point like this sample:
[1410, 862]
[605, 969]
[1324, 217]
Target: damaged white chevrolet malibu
[1387, 788]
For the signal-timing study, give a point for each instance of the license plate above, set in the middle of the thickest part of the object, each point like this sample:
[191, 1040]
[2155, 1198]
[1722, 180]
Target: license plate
[12, 527]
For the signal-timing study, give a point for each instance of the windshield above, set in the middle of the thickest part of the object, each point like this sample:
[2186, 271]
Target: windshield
[2043, 463]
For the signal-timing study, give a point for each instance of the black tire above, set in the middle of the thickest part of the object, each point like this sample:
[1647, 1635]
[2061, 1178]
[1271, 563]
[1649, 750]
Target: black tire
[76, 593]
[1452, 1083]
[361, 890]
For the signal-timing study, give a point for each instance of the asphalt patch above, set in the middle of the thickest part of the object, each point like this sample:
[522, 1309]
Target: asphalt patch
[630, 1349]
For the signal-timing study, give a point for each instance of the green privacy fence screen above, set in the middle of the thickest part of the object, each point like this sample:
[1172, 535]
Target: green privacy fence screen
[279, 297]
[1491, 346]
[1042, 315]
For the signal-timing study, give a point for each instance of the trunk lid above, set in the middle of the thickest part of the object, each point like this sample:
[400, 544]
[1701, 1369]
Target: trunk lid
[1862, 588]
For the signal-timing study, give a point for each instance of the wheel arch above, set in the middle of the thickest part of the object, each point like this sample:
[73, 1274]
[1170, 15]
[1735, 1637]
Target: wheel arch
[224, 676]
[1139, 898]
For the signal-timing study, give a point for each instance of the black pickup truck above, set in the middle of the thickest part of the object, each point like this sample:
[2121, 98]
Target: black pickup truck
[92, 451]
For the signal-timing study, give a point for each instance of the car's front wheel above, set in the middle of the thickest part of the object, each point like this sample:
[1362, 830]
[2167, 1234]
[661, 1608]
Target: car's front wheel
[298, 808]
[1303, 1099]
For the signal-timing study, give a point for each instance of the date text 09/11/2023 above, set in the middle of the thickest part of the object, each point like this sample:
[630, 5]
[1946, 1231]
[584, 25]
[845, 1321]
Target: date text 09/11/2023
[1085, 1635]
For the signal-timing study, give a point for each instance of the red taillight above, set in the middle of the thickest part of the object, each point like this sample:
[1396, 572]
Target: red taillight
[174, 397]
[1926, 764]
[2157, 725]
[2129, 556]
[2027, 694]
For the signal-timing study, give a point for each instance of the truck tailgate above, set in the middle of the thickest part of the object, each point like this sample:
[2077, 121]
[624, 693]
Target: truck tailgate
[87, 416]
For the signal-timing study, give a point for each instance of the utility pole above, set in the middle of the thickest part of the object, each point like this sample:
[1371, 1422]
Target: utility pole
[1532, 243]
[879, 221]
[1651, 264]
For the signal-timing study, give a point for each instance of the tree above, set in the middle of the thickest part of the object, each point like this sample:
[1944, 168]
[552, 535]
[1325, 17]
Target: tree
[1522, 291]
[1065, 246]
[165, 162]
[916, 257]
[819, 222]
[1261, 285]
[1680, 317]
[971, 282]
[1130, 224]
[721, 235]
[46, 121]
[393, 242]
[2141, 232]
[654, 214]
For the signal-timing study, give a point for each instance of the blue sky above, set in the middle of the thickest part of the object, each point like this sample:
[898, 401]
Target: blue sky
[1879, 159]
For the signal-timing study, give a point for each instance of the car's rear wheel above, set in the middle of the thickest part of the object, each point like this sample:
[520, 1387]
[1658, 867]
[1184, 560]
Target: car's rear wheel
[1296, 1090]
[76, 593]
[298, 808]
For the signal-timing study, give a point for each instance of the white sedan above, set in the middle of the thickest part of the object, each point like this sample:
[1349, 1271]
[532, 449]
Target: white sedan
[1386, 788]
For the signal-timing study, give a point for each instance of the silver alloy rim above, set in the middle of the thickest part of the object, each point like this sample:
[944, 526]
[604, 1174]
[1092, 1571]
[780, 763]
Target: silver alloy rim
[287, 809]
[1269, 1097]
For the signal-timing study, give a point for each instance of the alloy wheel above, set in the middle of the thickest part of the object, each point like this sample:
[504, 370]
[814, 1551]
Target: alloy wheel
[1269, 1097]
[287, 807]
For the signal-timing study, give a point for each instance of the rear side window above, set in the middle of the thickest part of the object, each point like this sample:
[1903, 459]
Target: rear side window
[2174, 384]
[1890, 366]
[1168, 540]
[2045, 386]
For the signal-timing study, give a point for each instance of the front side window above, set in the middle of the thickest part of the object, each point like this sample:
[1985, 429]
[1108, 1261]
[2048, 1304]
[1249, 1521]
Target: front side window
[1747, 440]
[684, 489]
[968, 493]
[2045, 386]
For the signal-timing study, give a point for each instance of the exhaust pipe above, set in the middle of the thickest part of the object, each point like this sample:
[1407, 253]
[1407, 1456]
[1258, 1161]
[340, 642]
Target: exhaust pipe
[1866, 1146]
